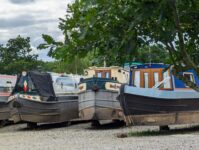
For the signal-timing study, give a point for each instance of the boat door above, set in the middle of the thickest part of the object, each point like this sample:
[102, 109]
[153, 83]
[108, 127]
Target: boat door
[146, 78]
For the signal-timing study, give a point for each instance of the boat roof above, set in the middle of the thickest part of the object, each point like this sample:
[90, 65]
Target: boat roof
[105, 68]
[151, 66]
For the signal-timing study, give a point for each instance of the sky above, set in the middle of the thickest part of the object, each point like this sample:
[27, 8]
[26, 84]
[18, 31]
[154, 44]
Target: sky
[32, 18]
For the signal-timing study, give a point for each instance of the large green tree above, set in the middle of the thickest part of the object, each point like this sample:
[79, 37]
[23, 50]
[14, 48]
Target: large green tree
[17, 56]
[117, 29]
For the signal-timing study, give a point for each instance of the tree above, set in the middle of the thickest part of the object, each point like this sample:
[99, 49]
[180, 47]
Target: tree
[74, 67]
[16, 56]
[117, 29]
[152, 54]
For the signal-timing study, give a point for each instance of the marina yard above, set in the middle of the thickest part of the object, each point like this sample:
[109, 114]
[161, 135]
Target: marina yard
[82, 136]
[99, 75]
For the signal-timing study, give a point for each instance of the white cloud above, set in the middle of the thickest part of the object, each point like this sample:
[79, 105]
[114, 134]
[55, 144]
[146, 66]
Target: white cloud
[31, 18]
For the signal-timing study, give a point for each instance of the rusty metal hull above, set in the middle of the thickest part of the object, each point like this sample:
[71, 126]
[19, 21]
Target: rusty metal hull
[44, 112]
[100, 105]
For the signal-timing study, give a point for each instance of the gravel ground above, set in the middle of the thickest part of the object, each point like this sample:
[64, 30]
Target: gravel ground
[80, 136]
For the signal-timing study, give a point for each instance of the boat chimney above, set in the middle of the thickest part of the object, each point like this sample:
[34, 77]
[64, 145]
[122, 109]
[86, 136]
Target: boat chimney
[104, 62]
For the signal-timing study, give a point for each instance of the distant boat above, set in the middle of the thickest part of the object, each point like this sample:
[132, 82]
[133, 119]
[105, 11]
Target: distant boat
[38, 100]
[7, 83]
[98, 92]
[157, 97]
[128, 65]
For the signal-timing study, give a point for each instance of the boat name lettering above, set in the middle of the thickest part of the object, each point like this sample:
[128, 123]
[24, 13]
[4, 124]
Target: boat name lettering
[115, 86]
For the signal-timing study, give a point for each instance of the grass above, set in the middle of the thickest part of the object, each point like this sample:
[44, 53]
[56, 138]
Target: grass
[148, 133]
[164, 133]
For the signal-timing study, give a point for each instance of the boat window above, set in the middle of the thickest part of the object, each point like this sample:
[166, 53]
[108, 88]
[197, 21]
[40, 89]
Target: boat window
[189, 76]
[63, 81]
[99, 74]
[137, 79]
[146, 80]
[107, 74]
[167, 83]
[5, 89]
[156, 77]
[6, 86]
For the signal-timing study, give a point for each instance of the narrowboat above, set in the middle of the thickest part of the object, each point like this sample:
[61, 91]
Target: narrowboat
[39, 100]
[7, 83]
[155, 96]
[98, 92]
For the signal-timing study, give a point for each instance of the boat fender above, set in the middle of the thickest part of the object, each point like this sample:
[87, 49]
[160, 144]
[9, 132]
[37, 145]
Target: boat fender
[95, 88]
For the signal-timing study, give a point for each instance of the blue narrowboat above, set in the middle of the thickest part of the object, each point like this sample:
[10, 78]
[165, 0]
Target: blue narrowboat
[155, 96]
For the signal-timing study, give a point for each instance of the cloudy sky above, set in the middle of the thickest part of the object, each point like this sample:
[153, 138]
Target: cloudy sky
[31, 18]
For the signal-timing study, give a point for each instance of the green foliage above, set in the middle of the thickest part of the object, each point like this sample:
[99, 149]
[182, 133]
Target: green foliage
[185, 130]
[76, 66]
[50, 43]
[16, 56]
[119, 29]
[152, 54]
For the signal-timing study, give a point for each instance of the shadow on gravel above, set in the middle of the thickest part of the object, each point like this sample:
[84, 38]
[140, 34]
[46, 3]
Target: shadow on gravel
[107, 126]
[51, 126]
[5, 123]
[160, 132]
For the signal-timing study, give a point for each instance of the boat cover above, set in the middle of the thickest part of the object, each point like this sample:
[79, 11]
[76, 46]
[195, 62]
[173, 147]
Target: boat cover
[41, 81]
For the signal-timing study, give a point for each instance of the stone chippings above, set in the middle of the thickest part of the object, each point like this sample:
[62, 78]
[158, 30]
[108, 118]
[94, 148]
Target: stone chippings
[82, 137]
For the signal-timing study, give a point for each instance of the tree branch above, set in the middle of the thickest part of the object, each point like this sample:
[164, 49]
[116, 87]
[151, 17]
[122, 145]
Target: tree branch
[186, 59]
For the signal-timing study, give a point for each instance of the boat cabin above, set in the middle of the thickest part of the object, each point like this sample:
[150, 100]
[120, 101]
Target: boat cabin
[113, 72]
[7, 83]
[159, 76]
[65, 84]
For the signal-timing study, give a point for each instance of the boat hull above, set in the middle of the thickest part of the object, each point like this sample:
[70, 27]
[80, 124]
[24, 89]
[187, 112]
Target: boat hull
[147, 110]
[4, 108]
[99, 105]
[44, 112]
[4, 111]
[164, 119]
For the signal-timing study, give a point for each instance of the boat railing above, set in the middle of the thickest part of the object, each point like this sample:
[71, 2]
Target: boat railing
[159, 84]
